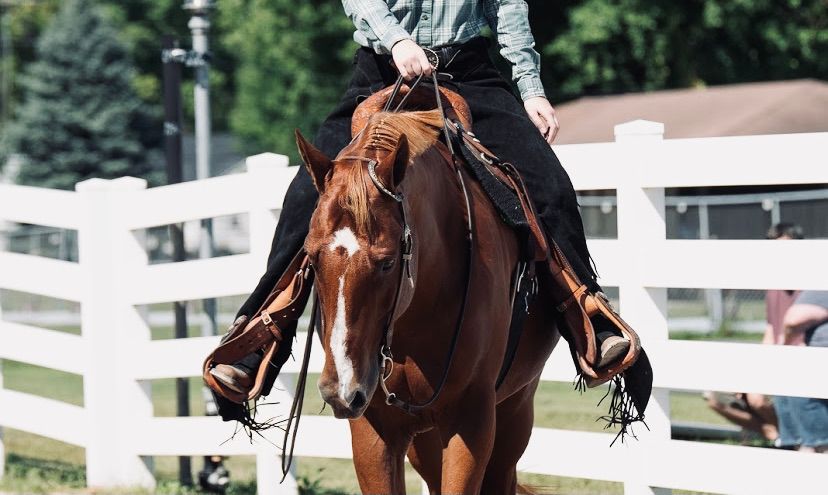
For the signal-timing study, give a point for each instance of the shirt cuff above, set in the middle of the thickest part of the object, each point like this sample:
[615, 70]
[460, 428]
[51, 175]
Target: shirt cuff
[393, 35]
[530, 86]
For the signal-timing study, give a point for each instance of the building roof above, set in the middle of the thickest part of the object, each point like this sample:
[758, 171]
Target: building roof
[778, 107]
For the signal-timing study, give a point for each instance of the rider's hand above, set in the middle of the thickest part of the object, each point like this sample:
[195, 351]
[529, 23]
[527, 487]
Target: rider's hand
[543, 116]
[410, 59]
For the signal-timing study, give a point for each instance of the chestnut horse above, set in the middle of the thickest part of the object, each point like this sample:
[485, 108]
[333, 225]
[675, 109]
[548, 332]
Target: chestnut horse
[369, 272]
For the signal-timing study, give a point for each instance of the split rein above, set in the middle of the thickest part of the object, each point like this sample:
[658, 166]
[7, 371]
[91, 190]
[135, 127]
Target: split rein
[406, 252]
[385, 356]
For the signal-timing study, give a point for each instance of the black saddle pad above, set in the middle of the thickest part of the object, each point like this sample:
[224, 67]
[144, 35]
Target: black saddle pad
[502, 197]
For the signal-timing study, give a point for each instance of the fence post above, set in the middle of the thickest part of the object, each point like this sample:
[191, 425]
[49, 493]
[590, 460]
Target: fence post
[265, 171]
[109, 256]
[641, 220]
[2, 444]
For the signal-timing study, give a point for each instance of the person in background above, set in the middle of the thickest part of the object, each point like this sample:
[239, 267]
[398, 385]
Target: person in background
[805, 427]
[752, 411]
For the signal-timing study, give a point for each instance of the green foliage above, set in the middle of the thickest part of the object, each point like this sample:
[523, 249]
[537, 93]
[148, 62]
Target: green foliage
[142, 23]
[610, 46]
[294, 58]
[80, 117]
[280, 64]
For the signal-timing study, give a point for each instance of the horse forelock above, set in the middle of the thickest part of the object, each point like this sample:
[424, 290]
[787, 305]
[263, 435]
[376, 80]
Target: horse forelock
[383, 133]
[355, 198]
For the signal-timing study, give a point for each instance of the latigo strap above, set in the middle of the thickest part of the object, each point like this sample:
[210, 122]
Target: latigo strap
[274, 321]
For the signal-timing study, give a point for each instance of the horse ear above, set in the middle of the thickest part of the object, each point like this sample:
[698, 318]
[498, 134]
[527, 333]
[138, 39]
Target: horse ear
[399, 162]
[318, 165]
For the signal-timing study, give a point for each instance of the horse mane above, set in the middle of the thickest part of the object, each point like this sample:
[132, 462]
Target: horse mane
[383, 133]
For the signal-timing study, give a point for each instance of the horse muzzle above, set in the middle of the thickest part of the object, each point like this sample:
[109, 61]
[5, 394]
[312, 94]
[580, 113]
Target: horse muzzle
[347, 402]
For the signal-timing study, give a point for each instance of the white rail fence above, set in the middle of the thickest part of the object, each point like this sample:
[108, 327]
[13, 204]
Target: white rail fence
[116, 356]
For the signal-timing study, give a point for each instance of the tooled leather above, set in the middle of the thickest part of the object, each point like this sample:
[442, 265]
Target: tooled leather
[249, 336]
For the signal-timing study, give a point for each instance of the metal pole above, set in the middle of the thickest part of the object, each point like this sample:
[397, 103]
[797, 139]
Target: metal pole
[6, 64]
[715, 297]
[200, 27]
[172, 57]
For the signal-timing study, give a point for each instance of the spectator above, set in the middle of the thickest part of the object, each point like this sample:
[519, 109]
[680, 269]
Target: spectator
[805, 427]
[752, 411]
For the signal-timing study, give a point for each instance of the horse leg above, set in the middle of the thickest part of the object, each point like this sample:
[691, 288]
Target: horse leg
[470, 439]
[379, 457]
[426, 455]
[515, 416]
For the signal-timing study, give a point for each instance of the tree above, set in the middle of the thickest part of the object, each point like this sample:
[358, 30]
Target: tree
[612, 46]
[142, 23]
[80, 116]
[294, 59]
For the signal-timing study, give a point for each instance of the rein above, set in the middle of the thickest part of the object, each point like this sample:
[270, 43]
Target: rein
[406, 252]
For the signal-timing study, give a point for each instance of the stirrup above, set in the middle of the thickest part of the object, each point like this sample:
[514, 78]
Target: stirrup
[274, 323]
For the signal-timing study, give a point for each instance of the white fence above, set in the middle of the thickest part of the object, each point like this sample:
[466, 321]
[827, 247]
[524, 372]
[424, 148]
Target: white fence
[116, 356]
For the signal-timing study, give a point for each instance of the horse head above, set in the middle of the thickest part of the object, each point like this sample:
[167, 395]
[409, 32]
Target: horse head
[356, 243]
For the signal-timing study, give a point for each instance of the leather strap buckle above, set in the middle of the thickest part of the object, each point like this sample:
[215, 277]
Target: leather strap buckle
[271, 326]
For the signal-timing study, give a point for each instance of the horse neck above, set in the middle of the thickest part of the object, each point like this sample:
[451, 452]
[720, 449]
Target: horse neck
[438, 221]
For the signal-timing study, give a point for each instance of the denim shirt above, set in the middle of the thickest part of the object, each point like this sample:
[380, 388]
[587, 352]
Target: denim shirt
[382, 23]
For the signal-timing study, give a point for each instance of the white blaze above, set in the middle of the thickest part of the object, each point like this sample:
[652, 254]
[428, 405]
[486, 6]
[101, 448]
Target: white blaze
[343, 364]
[345, 237]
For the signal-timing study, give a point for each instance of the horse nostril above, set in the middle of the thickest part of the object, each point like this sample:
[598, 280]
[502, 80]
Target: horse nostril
[358, 401]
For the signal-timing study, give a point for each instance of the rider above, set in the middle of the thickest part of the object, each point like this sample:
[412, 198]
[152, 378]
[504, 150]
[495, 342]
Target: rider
[517, 133]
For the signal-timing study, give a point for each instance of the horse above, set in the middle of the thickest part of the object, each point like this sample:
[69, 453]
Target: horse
[389, 242]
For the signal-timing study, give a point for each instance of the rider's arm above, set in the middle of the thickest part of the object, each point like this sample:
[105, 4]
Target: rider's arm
[375, 21]
[803, 316]
[509, 20]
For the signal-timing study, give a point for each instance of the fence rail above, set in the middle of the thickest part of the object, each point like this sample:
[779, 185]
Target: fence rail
[116, 356]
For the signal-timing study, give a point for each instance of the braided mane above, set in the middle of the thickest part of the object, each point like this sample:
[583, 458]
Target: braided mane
[383, 132]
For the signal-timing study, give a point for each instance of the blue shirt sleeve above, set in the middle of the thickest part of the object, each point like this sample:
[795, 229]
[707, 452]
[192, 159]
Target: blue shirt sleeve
[509, 20]
[374, 20]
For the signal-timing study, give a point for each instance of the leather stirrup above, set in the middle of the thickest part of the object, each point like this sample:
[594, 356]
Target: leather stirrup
[275, 321]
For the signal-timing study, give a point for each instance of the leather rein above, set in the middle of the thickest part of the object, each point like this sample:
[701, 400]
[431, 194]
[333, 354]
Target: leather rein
[406, 253]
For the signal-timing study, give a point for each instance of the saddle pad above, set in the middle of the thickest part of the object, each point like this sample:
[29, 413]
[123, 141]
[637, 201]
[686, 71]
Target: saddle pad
[504, 199]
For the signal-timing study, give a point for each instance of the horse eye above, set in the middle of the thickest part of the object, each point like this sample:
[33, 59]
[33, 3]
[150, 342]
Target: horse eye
[387, 264]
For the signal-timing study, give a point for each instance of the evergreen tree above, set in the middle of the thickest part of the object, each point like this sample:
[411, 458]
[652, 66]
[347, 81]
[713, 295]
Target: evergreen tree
[80, 116]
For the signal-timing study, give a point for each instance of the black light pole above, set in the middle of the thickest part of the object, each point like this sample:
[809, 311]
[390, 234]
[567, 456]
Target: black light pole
[172, 57]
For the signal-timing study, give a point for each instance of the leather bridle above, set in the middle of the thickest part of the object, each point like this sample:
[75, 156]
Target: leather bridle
[406, 252]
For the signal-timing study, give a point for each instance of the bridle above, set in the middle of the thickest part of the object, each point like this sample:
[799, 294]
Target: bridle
[406, 252]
